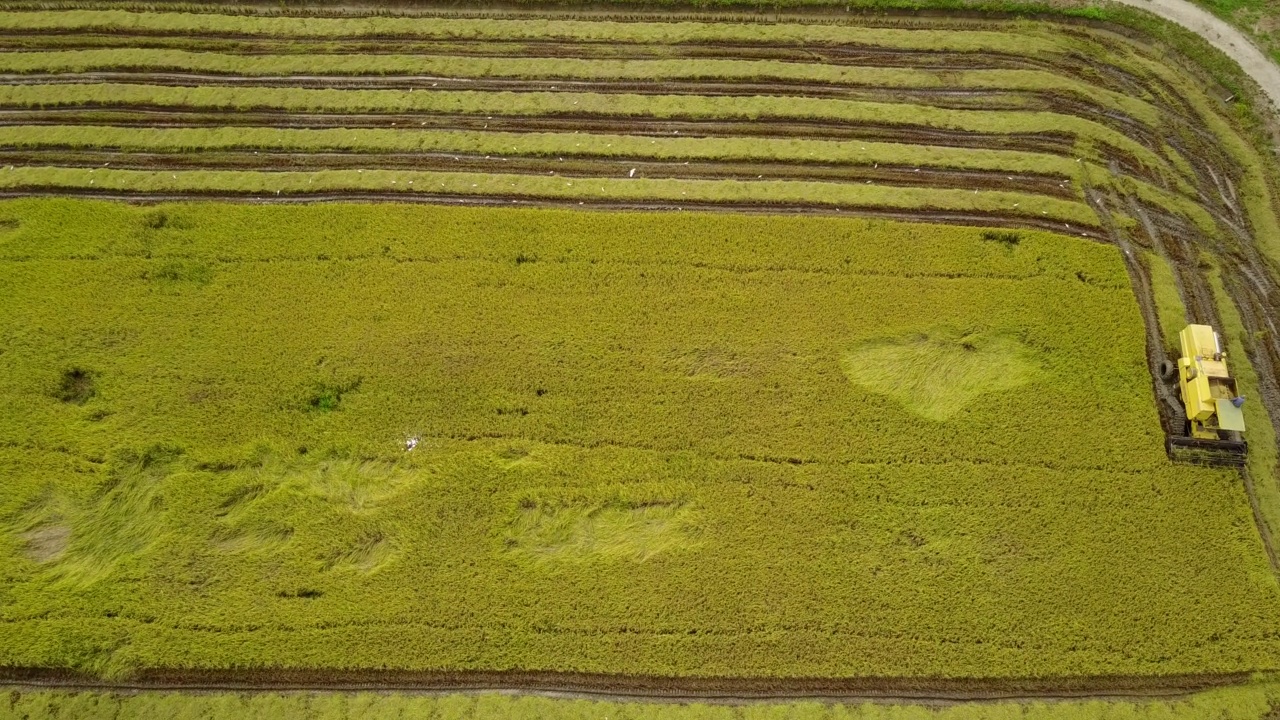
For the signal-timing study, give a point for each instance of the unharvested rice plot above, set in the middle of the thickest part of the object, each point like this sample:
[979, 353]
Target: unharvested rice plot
[694, 444]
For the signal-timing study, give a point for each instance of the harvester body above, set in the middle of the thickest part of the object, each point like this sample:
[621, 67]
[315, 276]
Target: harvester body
[1214, 418]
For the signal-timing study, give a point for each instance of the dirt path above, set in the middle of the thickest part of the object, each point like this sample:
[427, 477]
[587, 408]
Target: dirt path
[625, 688]
[1220, 35]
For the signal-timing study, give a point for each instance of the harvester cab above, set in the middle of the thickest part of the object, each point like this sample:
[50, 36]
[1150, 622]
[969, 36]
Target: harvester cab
[1214, 419]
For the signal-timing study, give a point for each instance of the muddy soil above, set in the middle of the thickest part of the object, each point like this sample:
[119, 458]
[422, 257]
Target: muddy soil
[621, 687]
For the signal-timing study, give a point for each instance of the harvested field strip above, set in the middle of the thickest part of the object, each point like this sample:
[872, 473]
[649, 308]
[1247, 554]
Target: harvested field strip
[1052, 143]
[501, 145]
[938, 98]
[571, 167]
[941, 98]
[806, 53]
[1034, 38]
[1255, 192]
[503, 185]
[804, 76]
[111, 95]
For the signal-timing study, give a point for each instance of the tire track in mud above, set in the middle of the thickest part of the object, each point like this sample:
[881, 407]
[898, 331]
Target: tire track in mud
[582, 166]
[1049, 143]
[598, 686]
[839, 55]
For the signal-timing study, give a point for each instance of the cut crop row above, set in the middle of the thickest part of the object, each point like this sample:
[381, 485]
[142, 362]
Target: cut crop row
[497, 48]
[575, 168]
[788, 77]
[536, 104]
[1070, 213]
[782, 130]
[1032, 38]
[545, 145]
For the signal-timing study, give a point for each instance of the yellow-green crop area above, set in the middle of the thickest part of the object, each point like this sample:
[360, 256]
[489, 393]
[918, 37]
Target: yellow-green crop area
[647, 444]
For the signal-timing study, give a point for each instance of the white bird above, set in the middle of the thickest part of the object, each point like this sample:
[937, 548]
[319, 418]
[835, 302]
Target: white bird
[632, 173]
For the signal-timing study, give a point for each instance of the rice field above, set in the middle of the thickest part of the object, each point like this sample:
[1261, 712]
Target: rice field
[646, 444]
[645, 348]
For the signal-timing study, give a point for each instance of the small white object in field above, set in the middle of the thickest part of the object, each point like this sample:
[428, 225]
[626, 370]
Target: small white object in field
[632, 173]
[410, 444]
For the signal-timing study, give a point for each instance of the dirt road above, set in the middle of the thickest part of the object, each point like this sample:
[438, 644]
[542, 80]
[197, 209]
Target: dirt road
[1222, 36]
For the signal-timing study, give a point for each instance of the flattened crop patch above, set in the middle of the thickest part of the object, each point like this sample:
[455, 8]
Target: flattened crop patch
[46, 543]
[609, 530]
[937, 375]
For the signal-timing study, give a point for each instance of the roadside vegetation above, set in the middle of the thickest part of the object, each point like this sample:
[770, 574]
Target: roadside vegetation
[1259, 19]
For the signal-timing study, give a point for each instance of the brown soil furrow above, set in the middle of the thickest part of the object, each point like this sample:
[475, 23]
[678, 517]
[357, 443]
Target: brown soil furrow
[710, 86]
[947, 98]
[581, 166]
[952, 217]
[637, 688]
[1058, 144]
[829, 55]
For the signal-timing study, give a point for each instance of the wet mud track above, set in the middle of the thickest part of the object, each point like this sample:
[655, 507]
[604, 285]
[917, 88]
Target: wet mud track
[729, 691]
[580, 166]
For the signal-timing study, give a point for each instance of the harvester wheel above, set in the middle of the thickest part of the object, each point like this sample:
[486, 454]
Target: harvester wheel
[1168, 371]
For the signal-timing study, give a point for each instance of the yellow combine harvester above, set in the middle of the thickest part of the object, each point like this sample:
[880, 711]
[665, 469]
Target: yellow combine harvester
[1214, 420]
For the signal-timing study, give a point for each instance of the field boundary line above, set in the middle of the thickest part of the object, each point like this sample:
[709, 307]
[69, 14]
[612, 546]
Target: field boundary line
[660, 689]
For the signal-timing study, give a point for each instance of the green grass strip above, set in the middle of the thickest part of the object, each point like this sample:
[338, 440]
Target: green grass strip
[1029, 38]
[369, 140]
[556, 187]
[532, 104]
[571, 68]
